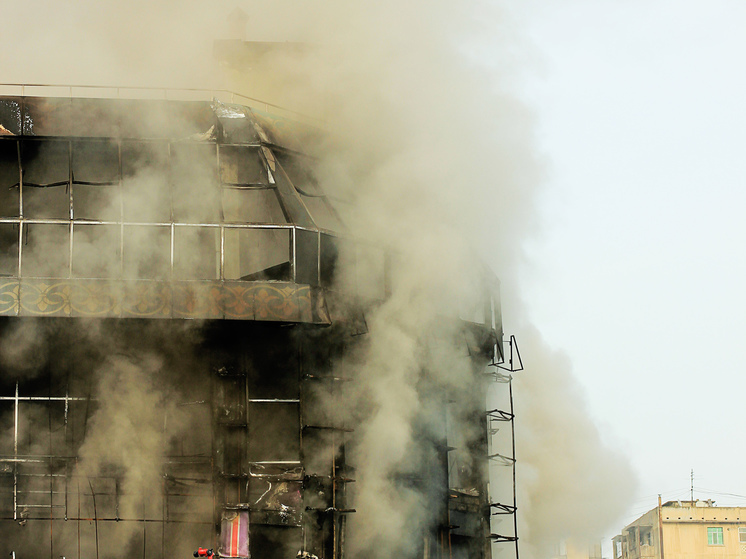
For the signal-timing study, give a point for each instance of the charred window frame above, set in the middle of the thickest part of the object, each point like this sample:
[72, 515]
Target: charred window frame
[194, 182]
[45, 179]
[252, 253]
[69, 186]
[45, 249]
[96, 172]
[306, 252]
[146, 189]
[146, 252]
[299, 171]
[248, 191]
[196, 252]
[274, 434]
[10, 178]
[40, 481]
[96, 250]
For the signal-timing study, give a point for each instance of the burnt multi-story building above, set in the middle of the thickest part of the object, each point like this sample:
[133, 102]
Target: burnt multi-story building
[170, 322]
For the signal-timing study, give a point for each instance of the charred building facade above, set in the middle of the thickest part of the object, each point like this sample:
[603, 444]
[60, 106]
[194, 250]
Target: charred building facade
[171, 322]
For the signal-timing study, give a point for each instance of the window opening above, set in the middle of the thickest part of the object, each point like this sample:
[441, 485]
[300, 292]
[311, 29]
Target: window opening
[9, 179]
[196, 252]
[251, 205]
[715, 535]
[257, 254]
[308, 188]
[46, 250]
[46, 175]
[8, 249]
[194, 189]
[96, 251]
[242, 166]
[146, 252]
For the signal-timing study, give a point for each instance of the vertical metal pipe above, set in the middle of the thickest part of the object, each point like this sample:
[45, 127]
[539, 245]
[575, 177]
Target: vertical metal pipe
[173, 233]
[70, 203]
[164, 517]
[78, 521]
[246, 450]
[512, 436]
[300, 377]
[294, 253]
[121, 211]
[116, 498]
[67, 465]
[15, 455]
[335, 514]
[171, 208]
[95, 513]
[318, 258]
[51, 473]
[222, 252]
[20, 201]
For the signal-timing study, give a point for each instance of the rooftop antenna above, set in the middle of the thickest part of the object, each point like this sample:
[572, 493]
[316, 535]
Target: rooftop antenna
[691, 486]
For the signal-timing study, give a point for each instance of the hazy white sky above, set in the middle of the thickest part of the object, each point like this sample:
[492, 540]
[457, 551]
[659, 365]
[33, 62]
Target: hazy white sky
[640, 273]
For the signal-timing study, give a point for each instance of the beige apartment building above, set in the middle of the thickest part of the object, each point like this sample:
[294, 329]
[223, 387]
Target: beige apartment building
[689, 530]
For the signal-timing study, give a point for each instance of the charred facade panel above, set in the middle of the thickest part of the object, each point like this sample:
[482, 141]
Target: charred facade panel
[170, 328]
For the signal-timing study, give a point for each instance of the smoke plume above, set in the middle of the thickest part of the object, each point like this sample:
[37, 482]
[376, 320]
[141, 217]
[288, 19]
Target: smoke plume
[572, 486]
[127, 436]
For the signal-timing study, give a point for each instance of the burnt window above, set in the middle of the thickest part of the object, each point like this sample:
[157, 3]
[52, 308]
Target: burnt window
[237, 129]
[46, 174]
[45, 116]
[242, 166]
[140, 156]
[46, 250]
[10, 115]
[147, 252]
[95, 172]
[9, 179]
[8, 249]
[95, 162]
[252, 205]
[195, 195]
[96, 251]
[196, 252]
[306, 257]
[257, 254]
[299, 171]
[274, 432]
[96, 202]
[329, 254]
[145, 184]
[274, 371]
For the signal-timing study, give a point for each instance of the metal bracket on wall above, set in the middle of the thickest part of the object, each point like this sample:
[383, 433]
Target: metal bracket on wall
[500, 539]
[514, 362]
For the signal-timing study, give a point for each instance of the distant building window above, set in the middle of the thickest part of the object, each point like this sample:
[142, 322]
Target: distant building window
[741, 535]
[618, 549]
[715, 536]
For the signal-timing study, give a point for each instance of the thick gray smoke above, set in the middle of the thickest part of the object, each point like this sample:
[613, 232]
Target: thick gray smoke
[133, 376]
[128, 435]
[573, 488]
[432, 152]
[435, 154]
